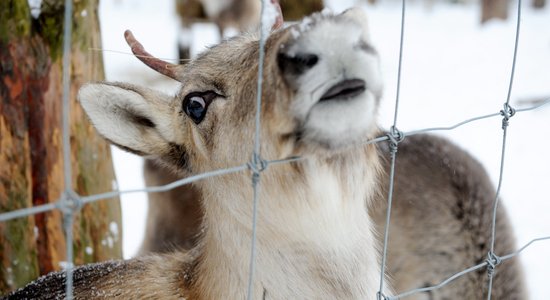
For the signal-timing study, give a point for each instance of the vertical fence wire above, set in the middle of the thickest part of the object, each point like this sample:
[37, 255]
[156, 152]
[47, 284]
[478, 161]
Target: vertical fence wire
[68, 222]
[381, 294]
[256, 163]
[395, 136]
[507, 113]
[400, 63]
[68, 217]
[66, 109]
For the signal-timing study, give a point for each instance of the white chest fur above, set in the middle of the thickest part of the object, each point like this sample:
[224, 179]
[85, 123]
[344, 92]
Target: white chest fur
[314, 240]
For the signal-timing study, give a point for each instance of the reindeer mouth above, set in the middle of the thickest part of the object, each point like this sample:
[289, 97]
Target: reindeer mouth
[344, 90]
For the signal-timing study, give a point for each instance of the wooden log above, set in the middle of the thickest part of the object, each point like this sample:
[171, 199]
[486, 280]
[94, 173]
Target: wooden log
[31, 161]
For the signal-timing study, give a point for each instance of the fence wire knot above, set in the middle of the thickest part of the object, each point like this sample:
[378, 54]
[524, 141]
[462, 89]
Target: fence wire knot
[381, 296]
[70, 202]
[507, 112]
[257, 165]
[492, 261]
[395, 136]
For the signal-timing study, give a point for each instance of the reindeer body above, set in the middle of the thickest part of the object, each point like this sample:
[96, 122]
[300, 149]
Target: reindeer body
[174, 217]
[233, 16]
[317, 217]
[441, 223]
[237, 14]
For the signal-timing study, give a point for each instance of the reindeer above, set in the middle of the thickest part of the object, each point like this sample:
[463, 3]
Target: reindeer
[230, 16]
[233, 16]
[319, 218]
[181, 206]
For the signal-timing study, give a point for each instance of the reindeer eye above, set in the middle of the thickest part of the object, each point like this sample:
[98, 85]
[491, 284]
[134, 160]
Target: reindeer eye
[196, 108]
[195, 105]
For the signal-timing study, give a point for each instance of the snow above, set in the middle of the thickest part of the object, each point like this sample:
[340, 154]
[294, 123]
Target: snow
[453, 69]
[113, 228]
[269, 16]
[35, 5]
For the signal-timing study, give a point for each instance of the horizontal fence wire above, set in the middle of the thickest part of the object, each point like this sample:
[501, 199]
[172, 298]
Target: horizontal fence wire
[464, 272]
[24, 212]
[6, 216]
[69, 203]
[93, 198]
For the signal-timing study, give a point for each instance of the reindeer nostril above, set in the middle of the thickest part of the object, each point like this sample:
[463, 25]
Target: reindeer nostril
[296, 64]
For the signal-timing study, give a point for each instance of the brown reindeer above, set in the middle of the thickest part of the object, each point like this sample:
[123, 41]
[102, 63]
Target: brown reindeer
[233, 16]
[319, 218]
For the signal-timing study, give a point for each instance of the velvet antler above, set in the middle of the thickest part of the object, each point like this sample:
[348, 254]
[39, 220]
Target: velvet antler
[154, 63]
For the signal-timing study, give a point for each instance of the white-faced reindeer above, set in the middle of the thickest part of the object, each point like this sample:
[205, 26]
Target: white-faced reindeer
[318, 218]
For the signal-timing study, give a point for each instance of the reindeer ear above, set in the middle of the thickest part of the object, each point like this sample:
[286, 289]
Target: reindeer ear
[130, 117]
[360, 16]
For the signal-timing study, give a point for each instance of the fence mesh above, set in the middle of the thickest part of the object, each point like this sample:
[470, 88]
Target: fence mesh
[70, 203]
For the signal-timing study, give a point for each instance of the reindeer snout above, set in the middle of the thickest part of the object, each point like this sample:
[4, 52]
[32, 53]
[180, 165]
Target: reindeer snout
[296, 64]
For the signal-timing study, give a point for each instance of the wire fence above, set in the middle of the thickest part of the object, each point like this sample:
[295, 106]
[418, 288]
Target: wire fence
[70, 203]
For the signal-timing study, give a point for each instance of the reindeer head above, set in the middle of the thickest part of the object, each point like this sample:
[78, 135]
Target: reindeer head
[321, 87]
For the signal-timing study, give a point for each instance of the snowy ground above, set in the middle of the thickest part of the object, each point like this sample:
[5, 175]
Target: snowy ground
[453, 69]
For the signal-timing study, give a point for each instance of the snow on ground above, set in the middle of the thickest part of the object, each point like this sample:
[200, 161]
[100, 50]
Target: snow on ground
[453, 69]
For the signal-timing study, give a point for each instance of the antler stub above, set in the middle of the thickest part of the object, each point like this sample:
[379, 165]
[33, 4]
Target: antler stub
[154, 63]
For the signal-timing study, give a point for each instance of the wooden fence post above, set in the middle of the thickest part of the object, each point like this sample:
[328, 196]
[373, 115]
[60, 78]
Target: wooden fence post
[31, 164]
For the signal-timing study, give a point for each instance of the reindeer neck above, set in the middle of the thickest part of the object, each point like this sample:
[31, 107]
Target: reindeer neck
[314, 237]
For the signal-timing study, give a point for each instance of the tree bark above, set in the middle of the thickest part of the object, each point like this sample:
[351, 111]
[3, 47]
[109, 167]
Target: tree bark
[494, 9]
[31, 162]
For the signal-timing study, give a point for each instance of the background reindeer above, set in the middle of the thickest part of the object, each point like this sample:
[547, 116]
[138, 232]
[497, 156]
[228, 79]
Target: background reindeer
[233, 16]
[318, 216]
